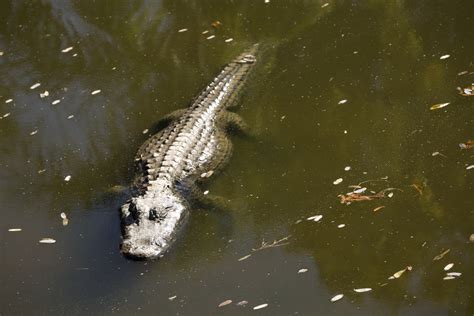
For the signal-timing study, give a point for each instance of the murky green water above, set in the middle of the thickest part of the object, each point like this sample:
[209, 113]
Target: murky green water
[383, 57]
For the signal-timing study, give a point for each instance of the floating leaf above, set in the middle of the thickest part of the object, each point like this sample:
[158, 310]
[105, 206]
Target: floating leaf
[454, 274]
[229, 40]
[337, 181]
[445, 56]
[470, 167]
[342, 101]
[341, 225]
[439, 106]
[96, 91]
[398, 274]
[36, 85]
[260, 306]
[34, 132]
[448, 266]
[337, 297]
[378, 208]
[242, 303]
[347, 168]
[182, 30]
[244, 258]
[172, 297]
[55, 102]
[315, 218]
[302, 270]
[227, 302]
[8, 101]
[47, 241]
[68, 49]
[449, 278]
[362, 290]
[67, 178]
[210, 37]
[14, 229]
[441, 255]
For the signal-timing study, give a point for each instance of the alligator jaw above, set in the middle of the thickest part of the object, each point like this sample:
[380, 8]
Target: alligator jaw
[150, 224]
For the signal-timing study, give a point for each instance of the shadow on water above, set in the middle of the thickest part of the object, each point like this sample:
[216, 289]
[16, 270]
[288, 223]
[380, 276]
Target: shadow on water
[382, 57]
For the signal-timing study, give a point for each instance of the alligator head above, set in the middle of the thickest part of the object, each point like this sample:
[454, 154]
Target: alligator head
[150, 223]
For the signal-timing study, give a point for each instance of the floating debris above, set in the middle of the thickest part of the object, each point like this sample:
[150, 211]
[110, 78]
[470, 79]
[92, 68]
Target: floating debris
[337, 297]
[359, 191]
[267, 1]
[8, 101]
[342, 101]
[224, 303]
[454, 274]
[398, 274]
[229, 40]
[34, 132]
[65, 219]
[260, 306]
[449, 266]
[325, 5]
[145, 131]
[466, 92]
[36, 85]
[41, 171]
[390, 195]
[467, 145]
[6, 115]
[206, 192]
[242, 303]
[1, 53]
[216, 24]
[207, 174]
[363, 290]
[441, 255]
[172, 297]
[68, 49]
[210, 37]
[445, 57]
[347, 168]
[470, 167]
[449, 278]
[244, 258]
[302, 270]
[182, 30]
[55, 102]
[337, 181]
[205, 32]
[315, 218]
[95, 92]
[341, 225]
[70, 116]
[67, 178]
[275, 243]
[378, 208]
[47, 241]
[439, 106]
[44, 94]
[14, 230]
[471, 238]
[465, 72]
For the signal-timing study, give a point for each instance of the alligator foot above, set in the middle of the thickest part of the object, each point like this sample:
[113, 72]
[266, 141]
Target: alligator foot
[234, 123]
[166, 120]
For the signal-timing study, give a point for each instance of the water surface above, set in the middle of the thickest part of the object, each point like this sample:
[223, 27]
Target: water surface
[382, 57]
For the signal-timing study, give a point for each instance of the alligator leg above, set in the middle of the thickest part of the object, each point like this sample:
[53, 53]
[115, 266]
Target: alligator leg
[166, 120]
[195, 195]
[234, 123]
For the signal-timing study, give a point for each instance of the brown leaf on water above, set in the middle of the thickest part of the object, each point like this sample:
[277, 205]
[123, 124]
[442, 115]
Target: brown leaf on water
[467, 145]
[379, 208]
[216, 24]
[441, 255]
[417, 188]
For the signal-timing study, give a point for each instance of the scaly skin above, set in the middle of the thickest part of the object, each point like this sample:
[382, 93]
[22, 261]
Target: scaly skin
[192, 146]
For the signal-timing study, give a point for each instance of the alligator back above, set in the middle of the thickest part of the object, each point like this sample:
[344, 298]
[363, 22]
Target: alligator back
[194, 144]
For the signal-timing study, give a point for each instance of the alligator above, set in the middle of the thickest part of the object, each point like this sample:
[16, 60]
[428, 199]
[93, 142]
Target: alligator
[171, 163]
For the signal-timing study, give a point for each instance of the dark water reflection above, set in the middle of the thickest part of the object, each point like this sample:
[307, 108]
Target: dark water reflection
[381, 56]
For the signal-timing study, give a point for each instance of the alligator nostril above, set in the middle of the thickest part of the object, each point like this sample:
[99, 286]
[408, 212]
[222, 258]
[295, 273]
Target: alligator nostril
[152, 215]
